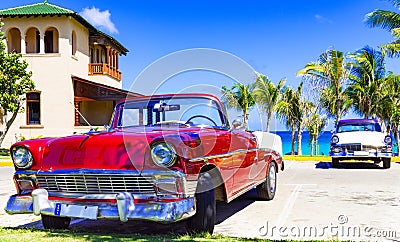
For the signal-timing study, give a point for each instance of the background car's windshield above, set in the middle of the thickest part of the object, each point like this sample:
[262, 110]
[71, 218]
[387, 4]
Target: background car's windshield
[350, 127]
[172, 111]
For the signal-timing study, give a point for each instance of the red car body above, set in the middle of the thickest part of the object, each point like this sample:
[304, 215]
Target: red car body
[113, 173]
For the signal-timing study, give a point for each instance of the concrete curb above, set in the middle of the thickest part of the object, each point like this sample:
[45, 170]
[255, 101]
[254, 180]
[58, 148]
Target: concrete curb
[319, 158]
[6, 163]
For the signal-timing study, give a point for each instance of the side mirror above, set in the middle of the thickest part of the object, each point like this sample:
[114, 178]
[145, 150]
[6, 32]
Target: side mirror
[237, 124]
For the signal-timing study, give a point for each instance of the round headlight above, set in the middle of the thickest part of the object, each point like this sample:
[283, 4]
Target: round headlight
[388, 140]
[335, 139]
[22, 157]
[163, 154]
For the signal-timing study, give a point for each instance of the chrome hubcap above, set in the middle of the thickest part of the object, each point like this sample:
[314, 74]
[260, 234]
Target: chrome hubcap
[272, 178]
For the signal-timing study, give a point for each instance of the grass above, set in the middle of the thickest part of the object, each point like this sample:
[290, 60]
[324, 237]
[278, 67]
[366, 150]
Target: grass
[29, 234]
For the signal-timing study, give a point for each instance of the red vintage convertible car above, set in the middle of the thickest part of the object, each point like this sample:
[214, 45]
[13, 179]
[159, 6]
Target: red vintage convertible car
[164, 158]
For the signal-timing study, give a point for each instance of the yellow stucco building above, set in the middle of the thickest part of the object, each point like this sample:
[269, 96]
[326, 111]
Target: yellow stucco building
[75, 69]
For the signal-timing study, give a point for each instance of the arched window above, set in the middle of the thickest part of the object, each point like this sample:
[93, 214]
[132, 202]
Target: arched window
[14, 41]
[51, 40]
[32, 40]
[73, 40]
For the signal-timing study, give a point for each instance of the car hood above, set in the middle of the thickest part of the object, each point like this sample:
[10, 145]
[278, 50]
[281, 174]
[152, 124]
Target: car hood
[126, 149]
[362, 137]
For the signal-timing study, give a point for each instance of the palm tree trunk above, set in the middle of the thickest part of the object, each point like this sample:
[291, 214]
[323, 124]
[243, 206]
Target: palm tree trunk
[299, 135]
[245, 119]
[293, 139]
[395, 131]
[268, 121]
[312, 146]
[338, 104]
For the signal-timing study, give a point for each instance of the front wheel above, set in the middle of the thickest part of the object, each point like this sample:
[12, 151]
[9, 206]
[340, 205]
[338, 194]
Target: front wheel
[386, 163]
[267, 189]
[52, 222]
[204, 219]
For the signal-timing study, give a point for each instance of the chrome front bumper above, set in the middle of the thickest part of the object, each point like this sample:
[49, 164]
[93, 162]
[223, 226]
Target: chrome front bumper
[370, 155]
[124, 209]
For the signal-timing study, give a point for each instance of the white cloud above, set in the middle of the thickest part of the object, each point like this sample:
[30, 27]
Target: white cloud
[322, 19]
[100, 19]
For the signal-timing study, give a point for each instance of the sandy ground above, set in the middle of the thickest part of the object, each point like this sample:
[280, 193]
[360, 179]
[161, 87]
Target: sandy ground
[357, 201]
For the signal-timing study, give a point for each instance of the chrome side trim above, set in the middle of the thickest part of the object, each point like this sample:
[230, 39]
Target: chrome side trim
[244, 191]
[210, 157]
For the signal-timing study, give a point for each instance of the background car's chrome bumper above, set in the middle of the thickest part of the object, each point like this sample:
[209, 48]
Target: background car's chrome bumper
[125, 209]
[369, 156]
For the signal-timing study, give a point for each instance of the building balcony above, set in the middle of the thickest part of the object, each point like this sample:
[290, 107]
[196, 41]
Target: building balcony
[104, 69]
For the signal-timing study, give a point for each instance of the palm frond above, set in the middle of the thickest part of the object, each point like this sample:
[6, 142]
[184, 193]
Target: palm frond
[382, 18]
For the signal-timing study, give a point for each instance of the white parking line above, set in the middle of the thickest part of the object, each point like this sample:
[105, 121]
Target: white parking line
[289, 164]
[289, 205]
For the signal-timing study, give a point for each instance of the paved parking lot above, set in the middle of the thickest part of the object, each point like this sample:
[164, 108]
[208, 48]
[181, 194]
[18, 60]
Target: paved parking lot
[357, 201]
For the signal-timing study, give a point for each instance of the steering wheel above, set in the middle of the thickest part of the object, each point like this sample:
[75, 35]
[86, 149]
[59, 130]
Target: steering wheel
[202, 116]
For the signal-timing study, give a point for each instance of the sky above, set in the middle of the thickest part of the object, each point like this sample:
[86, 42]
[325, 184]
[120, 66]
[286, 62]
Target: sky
[274, 37]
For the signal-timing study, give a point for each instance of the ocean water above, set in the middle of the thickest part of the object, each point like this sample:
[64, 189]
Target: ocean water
[323, 142]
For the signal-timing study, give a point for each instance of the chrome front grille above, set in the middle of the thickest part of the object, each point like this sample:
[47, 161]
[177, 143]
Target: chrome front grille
[352, 147]
[358, 147]
[96, 183]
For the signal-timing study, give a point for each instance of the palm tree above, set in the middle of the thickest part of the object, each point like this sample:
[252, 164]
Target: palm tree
[266, 94]
[315, 124]
[240, 98]
[389, 108]
[285, 110]
[331, 72]
[366, 80]
[302, 109]
[328, 102]
[387, 20]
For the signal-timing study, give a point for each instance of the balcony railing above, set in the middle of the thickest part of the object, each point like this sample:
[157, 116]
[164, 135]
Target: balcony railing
[104, 69]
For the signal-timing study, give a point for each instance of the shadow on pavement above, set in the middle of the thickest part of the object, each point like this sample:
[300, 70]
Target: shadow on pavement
[33, 225]
[224, 211]
[348, 165]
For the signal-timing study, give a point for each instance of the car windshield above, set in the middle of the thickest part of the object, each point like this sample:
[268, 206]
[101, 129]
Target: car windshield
[188, 111]
[359, 126]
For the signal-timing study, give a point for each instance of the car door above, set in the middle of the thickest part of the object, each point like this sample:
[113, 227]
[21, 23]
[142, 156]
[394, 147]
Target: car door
[244, 159]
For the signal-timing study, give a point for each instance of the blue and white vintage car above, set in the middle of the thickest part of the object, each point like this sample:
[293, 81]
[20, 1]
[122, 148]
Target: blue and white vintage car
[360, 139]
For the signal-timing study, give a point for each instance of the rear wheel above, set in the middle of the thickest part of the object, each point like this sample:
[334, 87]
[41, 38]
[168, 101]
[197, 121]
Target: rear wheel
[204, 219]
[386, 163]
[335, 162]
[52, 222]
[267, 189]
